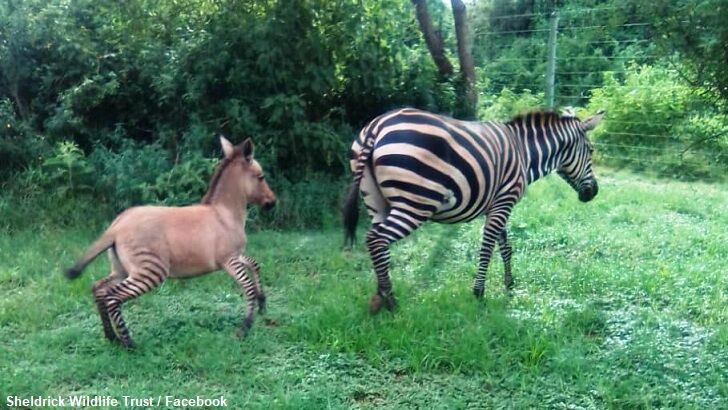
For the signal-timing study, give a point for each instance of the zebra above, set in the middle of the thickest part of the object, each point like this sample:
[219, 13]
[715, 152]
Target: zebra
[147, 244]
[413, 166]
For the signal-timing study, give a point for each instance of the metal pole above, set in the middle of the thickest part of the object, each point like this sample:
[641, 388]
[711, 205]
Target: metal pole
[551, 60]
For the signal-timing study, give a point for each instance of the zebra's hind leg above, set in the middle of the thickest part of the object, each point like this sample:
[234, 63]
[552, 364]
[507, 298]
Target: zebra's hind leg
[237, 269]
[129, 288]
[506, 252]
[254, 268]
[494, 225]
[398, 224]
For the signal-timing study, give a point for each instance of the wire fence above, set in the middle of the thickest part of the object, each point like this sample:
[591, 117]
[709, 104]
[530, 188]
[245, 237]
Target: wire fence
[623, 49]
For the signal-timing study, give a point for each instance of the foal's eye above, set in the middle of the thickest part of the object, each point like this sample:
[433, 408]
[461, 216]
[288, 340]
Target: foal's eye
[261, 177]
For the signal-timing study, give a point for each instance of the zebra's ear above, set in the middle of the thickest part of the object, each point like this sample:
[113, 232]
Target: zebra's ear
[592, 122]
[227, 147]
[247, 148]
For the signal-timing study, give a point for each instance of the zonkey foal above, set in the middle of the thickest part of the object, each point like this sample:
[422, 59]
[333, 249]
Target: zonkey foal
[147, 244]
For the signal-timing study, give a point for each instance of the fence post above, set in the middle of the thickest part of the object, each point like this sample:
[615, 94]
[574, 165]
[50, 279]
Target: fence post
[551, 60]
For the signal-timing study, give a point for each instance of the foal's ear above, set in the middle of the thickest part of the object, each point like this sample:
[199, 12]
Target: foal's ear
[227, 147]
[592, 122]
[247, 148]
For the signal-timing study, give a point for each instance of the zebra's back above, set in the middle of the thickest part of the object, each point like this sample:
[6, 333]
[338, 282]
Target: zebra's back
[437, 167]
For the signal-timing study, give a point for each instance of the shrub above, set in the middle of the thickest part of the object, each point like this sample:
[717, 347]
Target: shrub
[657, 122]
[124, 177]
[183, 184]
[312, 202]
[507, 104]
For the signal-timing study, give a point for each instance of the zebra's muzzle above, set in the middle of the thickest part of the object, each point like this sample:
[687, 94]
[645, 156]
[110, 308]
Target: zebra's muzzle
[588, 192]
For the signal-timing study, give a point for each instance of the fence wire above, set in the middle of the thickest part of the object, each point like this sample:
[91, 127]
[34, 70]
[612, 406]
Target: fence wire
[646, 149]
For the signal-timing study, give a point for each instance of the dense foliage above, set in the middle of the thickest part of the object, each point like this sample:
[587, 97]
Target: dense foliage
[119, 102]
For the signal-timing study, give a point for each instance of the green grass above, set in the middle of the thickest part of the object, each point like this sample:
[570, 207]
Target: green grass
[619, 303]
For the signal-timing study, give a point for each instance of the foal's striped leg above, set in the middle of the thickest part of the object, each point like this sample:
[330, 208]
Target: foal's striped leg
[236, 268]
[254, 268]
[398, 224]
[494, 225]
[136, 284]
[506, 251]
[99, 291]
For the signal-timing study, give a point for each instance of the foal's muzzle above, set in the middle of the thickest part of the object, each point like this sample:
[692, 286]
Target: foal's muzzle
[269, 205]
[588, 192]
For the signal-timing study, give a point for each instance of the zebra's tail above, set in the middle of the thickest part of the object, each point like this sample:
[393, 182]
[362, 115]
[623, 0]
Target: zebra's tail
[351, 213]
[351, 204]
[103, 243]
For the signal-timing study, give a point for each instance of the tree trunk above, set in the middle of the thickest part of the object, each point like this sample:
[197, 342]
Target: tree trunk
[20, 107]
[434, 42]
[468, 95]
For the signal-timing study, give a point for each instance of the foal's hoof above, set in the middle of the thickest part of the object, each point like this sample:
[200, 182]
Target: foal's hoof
[242, 333]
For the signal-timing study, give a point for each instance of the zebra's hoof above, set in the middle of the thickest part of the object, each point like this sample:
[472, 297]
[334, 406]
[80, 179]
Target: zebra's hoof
[375, 304]
[390, 303]
[111, 336]
[509, 289]
[128, 344]
[508, 283]
[261, 304]
[245, 328]
[478, 293]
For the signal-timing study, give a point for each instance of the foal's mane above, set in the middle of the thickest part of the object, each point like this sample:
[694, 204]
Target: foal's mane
[215, 180]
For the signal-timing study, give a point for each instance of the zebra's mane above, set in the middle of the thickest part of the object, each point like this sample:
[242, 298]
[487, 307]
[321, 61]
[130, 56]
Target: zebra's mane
[538, 115]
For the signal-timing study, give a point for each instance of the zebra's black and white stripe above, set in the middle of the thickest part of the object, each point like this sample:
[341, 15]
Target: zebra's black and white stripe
[412, 166]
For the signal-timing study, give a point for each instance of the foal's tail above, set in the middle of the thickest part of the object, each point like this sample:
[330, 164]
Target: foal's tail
[103, 243]
[351, 205]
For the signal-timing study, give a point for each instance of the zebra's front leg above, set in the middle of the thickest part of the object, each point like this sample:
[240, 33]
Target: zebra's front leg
[506, 251]
[254, 268]
[398, 224]
[494, 225]
[236, 268]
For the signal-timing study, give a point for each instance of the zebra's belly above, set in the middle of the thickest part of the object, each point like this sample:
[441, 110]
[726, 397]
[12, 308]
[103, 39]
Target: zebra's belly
[449, 218]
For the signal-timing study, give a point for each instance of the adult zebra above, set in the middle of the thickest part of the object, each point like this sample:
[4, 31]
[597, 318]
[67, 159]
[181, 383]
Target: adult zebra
[412, 166]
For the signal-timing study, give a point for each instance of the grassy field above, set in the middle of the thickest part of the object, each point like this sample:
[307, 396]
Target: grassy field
[619, 303]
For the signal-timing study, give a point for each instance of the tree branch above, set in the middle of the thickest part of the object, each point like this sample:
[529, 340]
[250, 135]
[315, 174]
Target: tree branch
[700, 141]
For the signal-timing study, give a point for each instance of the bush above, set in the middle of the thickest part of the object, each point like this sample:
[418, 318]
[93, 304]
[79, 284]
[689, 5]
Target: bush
[183, 184]
[311, 203]
[19, 145]
[507, 104]
[58, 192]
[124, 177]
[683, 136]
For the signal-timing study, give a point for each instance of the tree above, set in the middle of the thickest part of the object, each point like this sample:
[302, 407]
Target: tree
[467, 94]
[693, 35]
